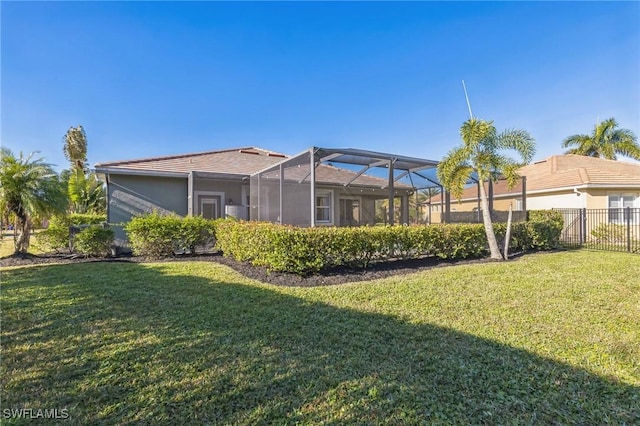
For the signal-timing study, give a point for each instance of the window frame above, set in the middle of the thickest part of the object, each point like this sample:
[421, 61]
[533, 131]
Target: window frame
[617, 214]
[324, 193]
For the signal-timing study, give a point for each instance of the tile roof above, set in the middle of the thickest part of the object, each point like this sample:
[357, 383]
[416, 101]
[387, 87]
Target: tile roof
[240, 161]
[566, 171]
[561, 171]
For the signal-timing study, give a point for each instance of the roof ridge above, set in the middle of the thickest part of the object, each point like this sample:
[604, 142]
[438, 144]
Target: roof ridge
[584, 175]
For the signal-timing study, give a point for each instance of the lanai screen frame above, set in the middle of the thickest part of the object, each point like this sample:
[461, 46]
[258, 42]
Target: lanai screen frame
[413, 171]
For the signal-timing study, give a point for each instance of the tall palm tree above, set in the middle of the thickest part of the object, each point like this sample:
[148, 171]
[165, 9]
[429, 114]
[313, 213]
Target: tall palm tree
[75, 147]
[606, 141]
[480, 154]
[28, 188]
[86, 192]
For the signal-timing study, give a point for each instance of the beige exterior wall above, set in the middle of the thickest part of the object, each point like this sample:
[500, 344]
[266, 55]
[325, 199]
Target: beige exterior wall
[599, 198]
[590, 198]
[500, 204]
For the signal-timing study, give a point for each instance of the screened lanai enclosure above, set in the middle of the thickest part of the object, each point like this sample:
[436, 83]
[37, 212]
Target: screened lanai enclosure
[340, 187]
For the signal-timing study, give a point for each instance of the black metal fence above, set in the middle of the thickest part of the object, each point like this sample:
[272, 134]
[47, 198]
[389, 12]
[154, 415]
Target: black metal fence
[602, 229]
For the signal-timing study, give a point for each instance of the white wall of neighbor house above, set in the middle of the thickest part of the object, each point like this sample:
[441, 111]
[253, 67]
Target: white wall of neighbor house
[558, 200]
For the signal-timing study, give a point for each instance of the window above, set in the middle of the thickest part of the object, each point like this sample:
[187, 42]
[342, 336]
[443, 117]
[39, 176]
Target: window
[517, 205]
[617, 207]
[324, 212]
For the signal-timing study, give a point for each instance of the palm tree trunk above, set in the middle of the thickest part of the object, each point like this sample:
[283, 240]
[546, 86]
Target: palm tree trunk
[488, 225]
[24, 234]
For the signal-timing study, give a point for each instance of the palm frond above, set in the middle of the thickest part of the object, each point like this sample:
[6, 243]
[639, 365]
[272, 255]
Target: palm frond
[606, 141]
[75, 146]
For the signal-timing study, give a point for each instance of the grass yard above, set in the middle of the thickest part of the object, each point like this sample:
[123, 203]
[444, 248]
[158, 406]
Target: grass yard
[546, 339]
[7, 246]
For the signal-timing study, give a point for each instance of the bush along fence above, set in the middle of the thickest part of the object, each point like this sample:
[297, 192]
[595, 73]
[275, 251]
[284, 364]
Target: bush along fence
[85, 234]
[614, 229]
[305, 251]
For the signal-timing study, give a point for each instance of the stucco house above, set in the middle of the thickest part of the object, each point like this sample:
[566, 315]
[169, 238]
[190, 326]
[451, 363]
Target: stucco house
[258, 184]
[560, 182]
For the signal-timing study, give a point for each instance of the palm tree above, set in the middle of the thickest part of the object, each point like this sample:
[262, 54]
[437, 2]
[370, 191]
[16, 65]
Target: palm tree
[75, 147]
[86, 192]
[480, 154]
[606, 141]
[28, 188]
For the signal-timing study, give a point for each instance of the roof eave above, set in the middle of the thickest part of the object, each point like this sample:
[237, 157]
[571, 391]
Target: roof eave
[136, 172]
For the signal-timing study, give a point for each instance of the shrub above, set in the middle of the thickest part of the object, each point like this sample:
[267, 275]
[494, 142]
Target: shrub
[86, 219]
[156, 235]
[153, 235]
[196, 232]
[609, 233]
[56, 237]
[544, 229]
[94, 241]
[308, 250]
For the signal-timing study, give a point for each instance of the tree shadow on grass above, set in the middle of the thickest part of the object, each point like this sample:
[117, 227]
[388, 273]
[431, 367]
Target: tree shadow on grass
[155, 347]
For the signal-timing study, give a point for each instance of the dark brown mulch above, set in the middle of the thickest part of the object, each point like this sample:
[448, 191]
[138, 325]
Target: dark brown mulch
[330, 277]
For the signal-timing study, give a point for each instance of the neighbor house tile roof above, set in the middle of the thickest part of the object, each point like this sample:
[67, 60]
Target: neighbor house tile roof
[567, 171]
[240, 161]
[561, 171]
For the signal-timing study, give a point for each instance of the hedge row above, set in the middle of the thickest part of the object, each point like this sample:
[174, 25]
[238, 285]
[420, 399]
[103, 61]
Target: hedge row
[92, 240]
[155, 235]
[306, 251]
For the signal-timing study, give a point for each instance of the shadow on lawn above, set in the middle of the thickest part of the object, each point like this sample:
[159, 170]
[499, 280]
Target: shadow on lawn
[157, 348]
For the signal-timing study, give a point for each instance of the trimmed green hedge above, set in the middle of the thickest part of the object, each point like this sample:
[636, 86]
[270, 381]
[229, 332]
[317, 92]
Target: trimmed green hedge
[306, 251]
[156, 235]
[94, 240]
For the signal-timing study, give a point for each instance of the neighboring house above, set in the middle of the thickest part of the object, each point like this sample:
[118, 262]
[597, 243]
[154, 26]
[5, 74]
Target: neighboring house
[561, 182]
[219, 183]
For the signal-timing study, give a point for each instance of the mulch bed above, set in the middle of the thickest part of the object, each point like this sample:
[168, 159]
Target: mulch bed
[330, 277]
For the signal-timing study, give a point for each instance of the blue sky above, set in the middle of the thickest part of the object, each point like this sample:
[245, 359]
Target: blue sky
[160, 78]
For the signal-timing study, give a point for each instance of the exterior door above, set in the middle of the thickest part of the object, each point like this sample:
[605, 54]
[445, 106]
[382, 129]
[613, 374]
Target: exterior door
[349, 212]
[209, 206]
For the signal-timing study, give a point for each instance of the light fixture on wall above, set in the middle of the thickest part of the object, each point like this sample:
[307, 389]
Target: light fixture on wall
[230, 201]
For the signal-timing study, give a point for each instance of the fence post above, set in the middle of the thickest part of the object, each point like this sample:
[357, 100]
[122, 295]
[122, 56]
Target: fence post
[582, 216]
[628, 223]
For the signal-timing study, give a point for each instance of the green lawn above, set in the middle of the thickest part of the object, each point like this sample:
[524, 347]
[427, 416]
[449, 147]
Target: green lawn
[7, 246]
[549, 338]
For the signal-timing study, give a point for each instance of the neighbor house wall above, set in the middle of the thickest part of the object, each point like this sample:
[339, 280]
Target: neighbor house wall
[599, 198]
[556, 200]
